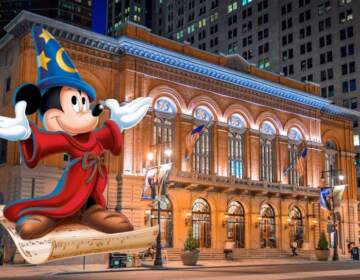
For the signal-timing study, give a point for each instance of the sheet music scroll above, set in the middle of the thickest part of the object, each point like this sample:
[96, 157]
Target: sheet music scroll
[74, 240]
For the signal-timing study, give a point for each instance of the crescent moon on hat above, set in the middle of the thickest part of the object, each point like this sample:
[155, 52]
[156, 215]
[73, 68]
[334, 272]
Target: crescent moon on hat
[62, 64]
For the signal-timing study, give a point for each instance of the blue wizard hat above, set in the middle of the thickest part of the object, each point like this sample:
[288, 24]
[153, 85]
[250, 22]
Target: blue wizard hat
[54, 66]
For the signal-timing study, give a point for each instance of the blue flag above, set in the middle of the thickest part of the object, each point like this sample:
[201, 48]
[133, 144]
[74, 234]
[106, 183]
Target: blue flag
[325, 197]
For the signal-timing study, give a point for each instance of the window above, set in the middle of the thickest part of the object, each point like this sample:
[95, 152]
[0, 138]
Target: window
[330, 161]
[322, 58]
[294, 140]
[353, 103]
[236, 224]
[346, 33]
[201, 222]
[3, 151]
[352, 85]
[351, 49]
[236, 147]
[356, 140]
[267, 227]
[267, 132]
[166, 221]
[345, 16]
[201, 151]
[323, 92]
[331, 91]
[296, 228]
[7, 84]
[245, 2]
[264, 63]
[352, 67]
[330, 73]
[232, 7]
[328, 39]
[163, 129]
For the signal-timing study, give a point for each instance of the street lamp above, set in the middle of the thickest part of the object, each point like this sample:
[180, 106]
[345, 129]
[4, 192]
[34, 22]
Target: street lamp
[151, 156]
[333, 174]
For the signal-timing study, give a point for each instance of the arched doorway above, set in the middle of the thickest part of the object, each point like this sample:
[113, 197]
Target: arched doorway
[296, 226]
[166, 221]
[201, 222]
[236, 224]
[267, 227]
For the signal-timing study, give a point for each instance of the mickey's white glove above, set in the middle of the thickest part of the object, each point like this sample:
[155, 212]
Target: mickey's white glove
[16, 129]
[129, 115]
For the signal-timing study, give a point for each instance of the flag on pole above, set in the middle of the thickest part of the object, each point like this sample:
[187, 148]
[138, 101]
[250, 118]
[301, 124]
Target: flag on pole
[338, 193]
[325, 197]
[300, 165]
[191, 139]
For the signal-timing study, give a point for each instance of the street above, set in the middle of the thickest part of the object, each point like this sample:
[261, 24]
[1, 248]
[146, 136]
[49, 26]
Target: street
[329, 270]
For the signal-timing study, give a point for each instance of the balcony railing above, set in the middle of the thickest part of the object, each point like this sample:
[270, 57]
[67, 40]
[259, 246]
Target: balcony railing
[196, 181]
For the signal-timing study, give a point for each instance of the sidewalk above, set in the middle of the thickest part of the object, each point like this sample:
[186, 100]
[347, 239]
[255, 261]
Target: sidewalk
[27, 270]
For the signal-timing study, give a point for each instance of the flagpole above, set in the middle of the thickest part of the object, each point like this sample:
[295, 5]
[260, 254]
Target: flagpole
[158, 254]
[333, 174]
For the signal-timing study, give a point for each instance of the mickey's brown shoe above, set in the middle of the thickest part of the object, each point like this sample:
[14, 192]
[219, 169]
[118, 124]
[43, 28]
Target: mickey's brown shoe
[35, 226]
[106, 221]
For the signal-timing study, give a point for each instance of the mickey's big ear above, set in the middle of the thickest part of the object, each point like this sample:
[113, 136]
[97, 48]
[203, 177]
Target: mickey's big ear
[29, 93]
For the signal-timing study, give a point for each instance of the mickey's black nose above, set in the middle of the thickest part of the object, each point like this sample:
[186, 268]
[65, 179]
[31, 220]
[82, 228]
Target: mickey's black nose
[97, 110]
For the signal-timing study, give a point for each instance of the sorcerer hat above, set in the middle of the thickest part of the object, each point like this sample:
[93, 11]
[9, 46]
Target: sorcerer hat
[54, 66]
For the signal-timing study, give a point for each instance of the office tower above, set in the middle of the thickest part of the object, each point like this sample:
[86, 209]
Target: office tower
[76, 12]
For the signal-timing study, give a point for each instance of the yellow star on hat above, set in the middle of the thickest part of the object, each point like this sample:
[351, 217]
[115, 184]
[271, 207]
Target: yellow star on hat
[43, 60]
[46, 36]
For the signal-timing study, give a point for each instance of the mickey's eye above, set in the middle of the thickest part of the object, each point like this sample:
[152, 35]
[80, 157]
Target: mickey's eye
[84, 104]
[75, 104]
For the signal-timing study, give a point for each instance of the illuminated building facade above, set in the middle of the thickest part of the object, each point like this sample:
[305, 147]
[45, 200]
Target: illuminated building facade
[235, 186]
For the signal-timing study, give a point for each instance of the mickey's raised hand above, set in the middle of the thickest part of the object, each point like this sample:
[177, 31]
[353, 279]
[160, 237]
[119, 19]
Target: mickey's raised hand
[16, 129]
[129, 115]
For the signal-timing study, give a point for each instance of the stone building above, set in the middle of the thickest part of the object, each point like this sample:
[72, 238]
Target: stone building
[234, 187]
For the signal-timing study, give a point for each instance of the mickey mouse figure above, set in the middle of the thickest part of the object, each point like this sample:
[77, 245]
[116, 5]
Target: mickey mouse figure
[64, 104]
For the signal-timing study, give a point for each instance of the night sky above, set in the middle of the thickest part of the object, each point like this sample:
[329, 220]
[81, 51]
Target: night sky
[99, 16]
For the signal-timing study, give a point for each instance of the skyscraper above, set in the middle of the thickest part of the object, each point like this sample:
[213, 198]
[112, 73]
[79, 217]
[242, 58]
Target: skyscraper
[128, 10]
[77, 12]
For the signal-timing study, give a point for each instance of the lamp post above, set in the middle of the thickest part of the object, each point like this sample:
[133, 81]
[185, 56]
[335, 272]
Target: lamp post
[333, 173]
[151, 157]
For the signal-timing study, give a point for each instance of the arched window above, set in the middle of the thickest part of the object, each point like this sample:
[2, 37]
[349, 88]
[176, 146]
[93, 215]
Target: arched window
[236, 224]
[201, 150]
[267, 136]
[267, 227]
[294, 143]
[296, 226]
[166, 221]
[237, 127]
[163, 130]
[201, 222]
[330, 161]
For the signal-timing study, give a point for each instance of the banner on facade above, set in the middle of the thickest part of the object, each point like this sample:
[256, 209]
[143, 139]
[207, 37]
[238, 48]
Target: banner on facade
[156, 181]
[325, 198]
[338, 193]
[163, 178]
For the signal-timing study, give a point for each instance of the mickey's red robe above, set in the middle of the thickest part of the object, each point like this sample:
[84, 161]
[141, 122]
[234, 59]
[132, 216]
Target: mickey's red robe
[85, 177]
